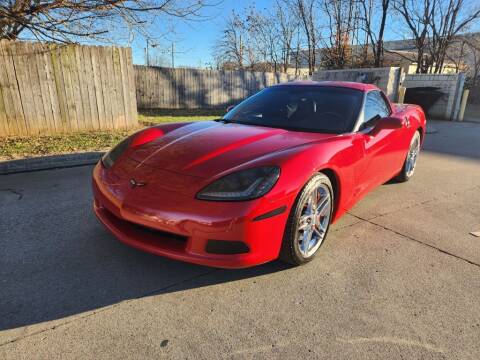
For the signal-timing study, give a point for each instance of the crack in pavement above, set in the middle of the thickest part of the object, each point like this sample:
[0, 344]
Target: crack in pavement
[476, 187]
[94, 312]
[211, 271]
[19, 193]
[416, 240]
[370, 220]
[392, 340]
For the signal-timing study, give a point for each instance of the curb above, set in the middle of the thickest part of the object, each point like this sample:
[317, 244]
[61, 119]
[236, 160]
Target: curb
[49, 162]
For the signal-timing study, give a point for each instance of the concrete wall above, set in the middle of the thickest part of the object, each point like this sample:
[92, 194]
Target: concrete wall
[386, 79]
[447, 107]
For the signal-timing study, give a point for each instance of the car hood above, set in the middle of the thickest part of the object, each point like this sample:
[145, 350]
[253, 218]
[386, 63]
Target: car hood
[207, 148]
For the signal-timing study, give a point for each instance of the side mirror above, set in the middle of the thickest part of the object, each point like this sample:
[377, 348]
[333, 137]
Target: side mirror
[386, 123]
[230, 108]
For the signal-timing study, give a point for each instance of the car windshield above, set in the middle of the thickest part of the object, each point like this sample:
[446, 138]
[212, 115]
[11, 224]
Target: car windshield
[304, 108]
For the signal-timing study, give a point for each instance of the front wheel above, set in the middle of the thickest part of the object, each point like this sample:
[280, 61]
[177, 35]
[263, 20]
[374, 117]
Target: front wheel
[309, 220]
[411, 160]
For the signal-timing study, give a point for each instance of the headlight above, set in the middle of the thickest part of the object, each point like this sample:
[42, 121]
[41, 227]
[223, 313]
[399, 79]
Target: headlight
[243, 185]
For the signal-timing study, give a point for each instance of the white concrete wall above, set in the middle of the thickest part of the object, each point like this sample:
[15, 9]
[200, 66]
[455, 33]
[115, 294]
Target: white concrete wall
[388, 79]
[450, 84]
[385, 78]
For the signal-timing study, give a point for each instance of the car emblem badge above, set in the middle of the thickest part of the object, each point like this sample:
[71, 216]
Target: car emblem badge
[134, 183]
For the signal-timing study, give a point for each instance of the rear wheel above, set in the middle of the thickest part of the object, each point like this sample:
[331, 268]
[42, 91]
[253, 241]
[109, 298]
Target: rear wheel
[411, 160]
[309, 221]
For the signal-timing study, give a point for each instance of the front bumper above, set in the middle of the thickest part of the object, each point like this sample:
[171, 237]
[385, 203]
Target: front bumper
[178, 226]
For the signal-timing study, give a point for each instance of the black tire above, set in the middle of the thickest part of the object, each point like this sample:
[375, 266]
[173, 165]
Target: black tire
[405, 174]
[291, 249]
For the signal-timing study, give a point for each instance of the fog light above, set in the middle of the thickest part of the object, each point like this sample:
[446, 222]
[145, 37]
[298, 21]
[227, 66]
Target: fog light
[226, 247]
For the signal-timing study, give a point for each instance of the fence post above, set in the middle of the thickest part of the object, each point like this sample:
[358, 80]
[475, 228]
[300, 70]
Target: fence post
[463, 104]
[401, 94]
[402, 72]
[458, 96]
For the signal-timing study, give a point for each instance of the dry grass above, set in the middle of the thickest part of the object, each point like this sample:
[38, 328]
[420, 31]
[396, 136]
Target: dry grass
[158, 116]
[22, 147]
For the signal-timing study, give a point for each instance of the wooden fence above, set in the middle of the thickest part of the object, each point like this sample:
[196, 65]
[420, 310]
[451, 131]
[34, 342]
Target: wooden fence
[48, 88]
[169, 88]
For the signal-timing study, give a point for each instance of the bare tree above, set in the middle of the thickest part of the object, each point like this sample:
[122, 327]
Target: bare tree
[288, 27]
[264, 35]
[375, 34]
[450, 18]
[472, 44]
[257, 40]
[273, 35]
[456, 54]
[296, 53]
[475, 71]
[305, 10]
[235, 46]
[71, 20]
[418, 17]
[229, 48]
[340, 15]
[157, 56]
[434, 25]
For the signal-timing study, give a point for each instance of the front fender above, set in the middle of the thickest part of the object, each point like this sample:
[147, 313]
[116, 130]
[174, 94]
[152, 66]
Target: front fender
[337, 156]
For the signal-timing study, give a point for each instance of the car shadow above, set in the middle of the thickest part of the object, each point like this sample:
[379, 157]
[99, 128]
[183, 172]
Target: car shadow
[458, 139]
[56, 260]
[70, 264]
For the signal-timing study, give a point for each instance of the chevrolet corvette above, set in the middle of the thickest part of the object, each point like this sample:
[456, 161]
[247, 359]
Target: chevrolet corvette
[263, 182]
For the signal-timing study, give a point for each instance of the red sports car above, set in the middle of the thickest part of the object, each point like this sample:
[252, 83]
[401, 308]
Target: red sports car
[261, 183]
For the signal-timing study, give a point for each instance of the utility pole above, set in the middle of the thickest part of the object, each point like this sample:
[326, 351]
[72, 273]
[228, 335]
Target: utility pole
[173, 55]
[241, 53]
[146, 55]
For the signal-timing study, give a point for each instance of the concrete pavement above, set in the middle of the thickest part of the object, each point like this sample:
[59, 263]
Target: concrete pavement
[399, 277]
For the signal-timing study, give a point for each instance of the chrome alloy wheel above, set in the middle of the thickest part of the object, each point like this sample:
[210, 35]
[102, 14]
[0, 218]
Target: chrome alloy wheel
[412, 155]
[314, 219]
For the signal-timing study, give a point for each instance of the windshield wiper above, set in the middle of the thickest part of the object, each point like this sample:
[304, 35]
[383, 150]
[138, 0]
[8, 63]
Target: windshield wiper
[225, 121]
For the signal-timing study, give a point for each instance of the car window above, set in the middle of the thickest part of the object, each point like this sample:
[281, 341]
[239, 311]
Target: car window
[305, 108]
[375, 104]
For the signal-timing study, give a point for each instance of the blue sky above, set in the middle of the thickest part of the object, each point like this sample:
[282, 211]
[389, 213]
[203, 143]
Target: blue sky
[195, 40]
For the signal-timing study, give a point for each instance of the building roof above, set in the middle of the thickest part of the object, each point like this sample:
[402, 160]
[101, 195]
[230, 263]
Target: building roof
[395, 50]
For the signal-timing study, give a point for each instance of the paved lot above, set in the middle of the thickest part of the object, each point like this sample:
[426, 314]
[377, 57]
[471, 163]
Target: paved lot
[398, 278]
